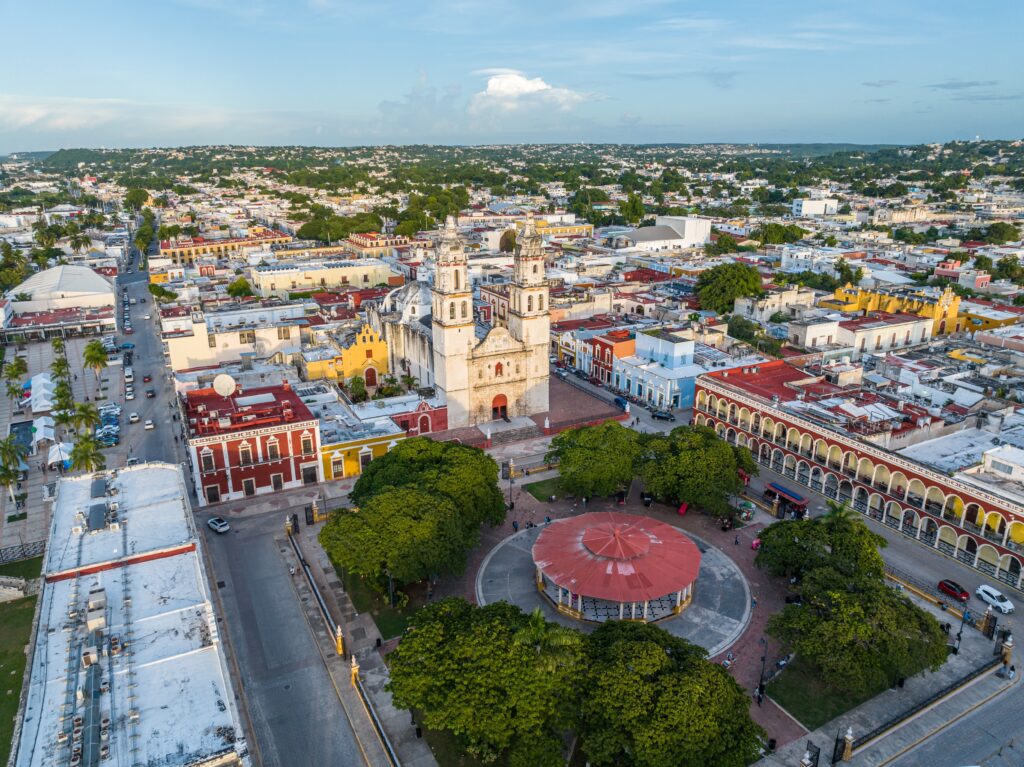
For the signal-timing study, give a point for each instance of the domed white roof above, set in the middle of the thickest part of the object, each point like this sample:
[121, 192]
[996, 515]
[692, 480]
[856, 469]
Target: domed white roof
[65, 281]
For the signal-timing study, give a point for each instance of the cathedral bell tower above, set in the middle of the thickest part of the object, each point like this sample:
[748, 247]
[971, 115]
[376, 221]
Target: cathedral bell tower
[452, 327]
[528, 297]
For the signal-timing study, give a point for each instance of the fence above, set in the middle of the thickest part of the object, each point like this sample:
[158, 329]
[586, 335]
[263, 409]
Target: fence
[902, 717]
[930, 591]
[22, 551]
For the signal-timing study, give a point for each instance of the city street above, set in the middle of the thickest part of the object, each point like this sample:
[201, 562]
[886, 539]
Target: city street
[294, 708]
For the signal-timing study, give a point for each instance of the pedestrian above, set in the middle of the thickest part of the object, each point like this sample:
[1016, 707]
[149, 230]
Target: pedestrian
[737, 541]
[753, 602]
[515, 526]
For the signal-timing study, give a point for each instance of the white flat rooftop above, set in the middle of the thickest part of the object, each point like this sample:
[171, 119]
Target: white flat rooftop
[149, 502]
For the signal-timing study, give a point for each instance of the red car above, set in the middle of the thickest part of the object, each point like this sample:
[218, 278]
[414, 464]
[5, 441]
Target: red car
[147, 379]
[954, 589]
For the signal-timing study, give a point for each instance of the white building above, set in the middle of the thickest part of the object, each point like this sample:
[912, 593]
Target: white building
[693, 231]
[127, 665]
[281, 279]
[815, 208]
[270, 332]
[788, 301]
[62, 287]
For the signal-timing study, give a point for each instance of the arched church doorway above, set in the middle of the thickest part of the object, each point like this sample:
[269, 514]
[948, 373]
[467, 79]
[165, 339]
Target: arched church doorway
[371, 377]
[499, 407]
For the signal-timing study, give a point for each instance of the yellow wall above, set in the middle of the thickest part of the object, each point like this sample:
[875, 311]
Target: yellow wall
[158, 278]
[351, 450]
[353, 360]
[944, 311]
[979, 322]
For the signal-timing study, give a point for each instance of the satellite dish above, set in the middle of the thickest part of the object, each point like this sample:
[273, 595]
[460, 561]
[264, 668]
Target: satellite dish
[224, 385]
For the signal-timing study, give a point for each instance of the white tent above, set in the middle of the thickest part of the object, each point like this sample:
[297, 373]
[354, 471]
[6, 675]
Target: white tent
[59, 453]
[42, 429]
[42, 393]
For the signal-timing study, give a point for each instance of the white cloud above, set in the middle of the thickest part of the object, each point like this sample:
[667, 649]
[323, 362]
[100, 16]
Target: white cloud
[510, 91]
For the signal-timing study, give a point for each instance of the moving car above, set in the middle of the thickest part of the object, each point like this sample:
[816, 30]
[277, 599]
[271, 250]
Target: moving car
[147, 378]
[662, 415]
[133, 418]
[954, 589]
[127, 345]
[994, 597]
[218, 525]
[148, 425]
[150, 393]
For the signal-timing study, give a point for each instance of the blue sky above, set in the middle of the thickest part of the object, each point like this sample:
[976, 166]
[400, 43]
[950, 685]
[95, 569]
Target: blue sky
[339, 72]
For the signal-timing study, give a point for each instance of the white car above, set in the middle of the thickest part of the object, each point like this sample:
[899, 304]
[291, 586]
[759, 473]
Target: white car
[149, 425]
[218, 525]
[994, 597]
[146, 317]
[129, 395]
[133, 418]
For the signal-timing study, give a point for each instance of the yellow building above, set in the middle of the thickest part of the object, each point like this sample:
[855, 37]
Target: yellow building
[353, 452]
[188, 249]
[546, 229]
[943, 309]
[359, 352]
[977, 316]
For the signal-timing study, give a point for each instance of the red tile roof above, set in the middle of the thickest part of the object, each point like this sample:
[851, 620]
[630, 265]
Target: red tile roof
[234, 414]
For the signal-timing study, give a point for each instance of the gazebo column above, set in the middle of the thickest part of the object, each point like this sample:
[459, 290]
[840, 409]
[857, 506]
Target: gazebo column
[559, 589]
[679, 598]
[580, 602]
[645, 611]
[622, 607]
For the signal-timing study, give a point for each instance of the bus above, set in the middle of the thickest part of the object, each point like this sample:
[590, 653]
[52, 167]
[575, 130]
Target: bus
[788, 502]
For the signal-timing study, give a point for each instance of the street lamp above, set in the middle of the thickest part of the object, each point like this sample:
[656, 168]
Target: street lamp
[511, 471]
[963, 619]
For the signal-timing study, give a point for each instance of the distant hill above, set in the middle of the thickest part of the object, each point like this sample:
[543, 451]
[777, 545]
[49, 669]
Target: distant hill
[26, 155]
[820, 150]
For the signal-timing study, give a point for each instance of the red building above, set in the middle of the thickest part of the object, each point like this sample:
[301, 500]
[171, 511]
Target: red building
[838, 441]
[250, 442]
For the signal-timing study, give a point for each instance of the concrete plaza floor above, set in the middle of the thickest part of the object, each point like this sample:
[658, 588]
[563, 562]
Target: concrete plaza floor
[716, 617]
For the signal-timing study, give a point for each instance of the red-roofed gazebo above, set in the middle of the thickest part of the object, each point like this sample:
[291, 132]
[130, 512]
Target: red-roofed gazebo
[605, 565]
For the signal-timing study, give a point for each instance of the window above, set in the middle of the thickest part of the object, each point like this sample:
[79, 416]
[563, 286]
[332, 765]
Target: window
[249, 487]
[878, 342]
[338, 468]
[307, 444]
[245, 455]
[247, 337]
[207, 460]
[451, 311]
[499, 370]
[529, 303]
[465, 310]
[277, 481]
[369, 354]
[534, 268]
[540, 302]
[1002, 468]
[273, 451]
[212, 494]
[366, 278]
[212, 340]
[283, 334]
[456, 279]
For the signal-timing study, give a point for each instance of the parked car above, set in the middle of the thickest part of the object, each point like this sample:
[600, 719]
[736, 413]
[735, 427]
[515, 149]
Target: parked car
[561, 374]
[994, 597]
[133, 461]
[129, 395]
[662, 415]
[127, 345]
[622, 402]
[128, 330]
[133, 418]
[218, 525]
[148, 425]
[595, 381]
[954, 589]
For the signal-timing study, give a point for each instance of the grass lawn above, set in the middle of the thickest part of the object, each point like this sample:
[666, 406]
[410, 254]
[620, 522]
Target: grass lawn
[391, 621]
[545, 488]
[26, 568]
[449, 753]
[15, 625]
[800, 691]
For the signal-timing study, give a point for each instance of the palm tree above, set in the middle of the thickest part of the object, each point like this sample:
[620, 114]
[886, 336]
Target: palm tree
[12, 455]
[79, 242]
[86, 455]
[551, 642]
[85, 417]
[60, 369]
[64, 418]
[57, 344]
[839, 517]
[94, 357]
[14, 391]
[15, 369]
[409, 382]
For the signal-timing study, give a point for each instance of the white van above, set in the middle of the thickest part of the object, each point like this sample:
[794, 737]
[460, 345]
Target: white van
[129, 376]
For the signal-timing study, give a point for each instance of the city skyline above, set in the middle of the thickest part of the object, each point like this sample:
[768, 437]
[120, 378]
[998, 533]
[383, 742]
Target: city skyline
[334, 73]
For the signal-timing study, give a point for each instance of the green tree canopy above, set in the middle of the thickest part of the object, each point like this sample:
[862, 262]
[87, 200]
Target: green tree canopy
[240, 288]
[693, 464]
[135, 198]
[1001, 232]
[508, 241]
[492, 676]
[777, 234]
[652, 700]
[719, 287]
[596, 460]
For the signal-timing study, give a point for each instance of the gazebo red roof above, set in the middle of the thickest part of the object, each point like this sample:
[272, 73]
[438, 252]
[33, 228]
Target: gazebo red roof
[616, 557]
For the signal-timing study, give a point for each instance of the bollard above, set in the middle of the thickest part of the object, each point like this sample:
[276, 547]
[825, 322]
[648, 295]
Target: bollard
[848, 745]
[339, 641]
[355, 671]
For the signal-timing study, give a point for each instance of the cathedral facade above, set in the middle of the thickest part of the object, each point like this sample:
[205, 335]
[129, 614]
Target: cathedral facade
[482, 373]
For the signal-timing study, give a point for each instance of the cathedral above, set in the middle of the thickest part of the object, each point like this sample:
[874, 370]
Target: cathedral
[482, 373]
